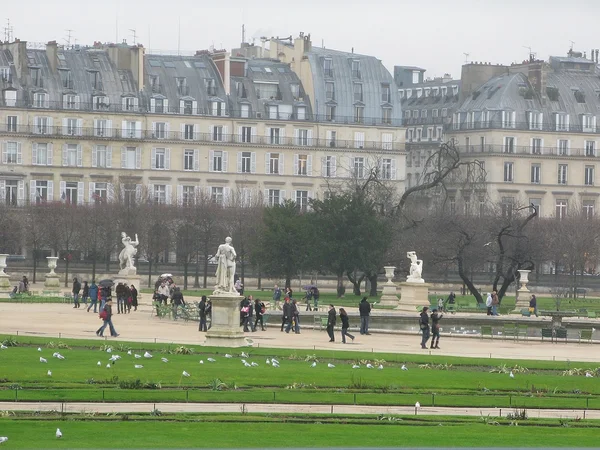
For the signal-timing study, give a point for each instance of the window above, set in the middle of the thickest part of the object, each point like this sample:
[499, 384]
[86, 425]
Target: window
[131, 129]
[359, 167]
[419, 92]
[303, 163]
[71, 127]
[589, 175]
[588, 208]
[386, 93]
[216, 195]
[188, 131]
[302, 138]
[41, 191]
[129, 103]
[101, 156]
[11, 153]
[99, 103]
[407, 114]
[101, 128]
[387, 141]
[211, 87]
[190, 160]
[536, 203]
[328, 67]
[295, 88]
[10, 193]
[99, 192]
[301, 113]
[388, 169]
[218, 161]
[358, 92]
[70, 101]
[245, 162]
[330, 90]
[302, 200]
[508, 172]
[12, 124]
[507, 205]
[273, 197]
[160, 130]
[72, 155]
[535, 173]
[509, 145]
[70, 192]
[330, 113]
[41, 154]
[217, 134]
[359, 113]
[435, 113]
[273, 161]
[563, 147]
[355, 68]
[536, 146]
[535, 120]
[158, 105]
[159, 158]
[246, 134]
[386, 115]
[40, 100]
[561, 209]
[562, 122]
[188, 195]
[562, 173]
[508, 119]
[590, 148]
[467, 205]
[131, 194]
[274, 135]
[129, 158]
[588, 123]
[439, 133]
[159, 194]
[10, 97]
[415, 114]
[187, 107]
[217, 108]
[329, 166]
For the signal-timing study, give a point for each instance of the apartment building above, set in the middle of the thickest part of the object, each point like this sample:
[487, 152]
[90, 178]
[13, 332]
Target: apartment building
[107, 122]
[534, 126]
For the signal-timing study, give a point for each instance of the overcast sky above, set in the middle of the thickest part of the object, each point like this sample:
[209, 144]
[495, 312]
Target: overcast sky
[432, 34]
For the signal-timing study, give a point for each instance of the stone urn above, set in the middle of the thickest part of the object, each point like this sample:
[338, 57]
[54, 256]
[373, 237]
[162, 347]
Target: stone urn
[4, 279]
[389, 295]
[524, 279]
[52, 263]
[389, 273]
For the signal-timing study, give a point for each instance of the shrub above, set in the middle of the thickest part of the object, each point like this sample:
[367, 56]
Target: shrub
[10, 342]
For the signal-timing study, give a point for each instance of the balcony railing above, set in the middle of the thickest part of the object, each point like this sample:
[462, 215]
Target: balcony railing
[205, 111]
[525, 150]
[523, 126]
[148, 135]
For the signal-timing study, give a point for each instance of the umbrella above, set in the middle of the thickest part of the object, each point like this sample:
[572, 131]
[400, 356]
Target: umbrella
[166, 275]
[106, 283]
[309, 286]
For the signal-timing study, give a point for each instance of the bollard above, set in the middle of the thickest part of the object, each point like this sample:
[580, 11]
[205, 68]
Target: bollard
[500, 412]
[103, 395]
[510, 400]
[16, 395]
[187, 395]
[432, 399]
[59, 335]
[587, 403]
[331, 409]
[355, 398]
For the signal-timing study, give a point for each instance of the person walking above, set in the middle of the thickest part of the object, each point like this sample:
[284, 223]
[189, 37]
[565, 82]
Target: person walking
[364, 308]
[294, 321]
[259, 310]
[308, 298]
[202, 314]
[286, 314]
[424, 326]
[331, 318]
[435, 328]
[85, 293]
[134, 297]
[178, 301]
[345, 326]
[276, 296]
[533, 305]
[488, 304]
[107, 320]
[121, 293]
[245, 314]
[315, 295]
[105, 294]
[495, 303]
[251, 313]
[93, 293]
[76, 289]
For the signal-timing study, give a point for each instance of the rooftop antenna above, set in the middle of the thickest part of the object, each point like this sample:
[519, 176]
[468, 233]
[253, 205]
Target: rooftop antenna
[243, 33]
[8, 31]
[531, 54]
[68, 38]
[134, 36]
[467, 57]
[572, 44]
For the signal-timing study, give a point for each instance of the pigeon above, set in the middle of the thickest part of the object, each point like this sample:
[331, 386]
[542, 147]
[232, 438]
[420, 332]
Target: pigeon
[244, 361]
[380, 367]
[369, 366]
[355, 366]
[331, 366]
[314, 364]
[138, 366]
[43, 360]
[210, 359]
[417, 405]
[512, 375]
[58, 433]
[60, 356]
[273, 360]
[136, 356]
[108, 366]
[49, 373]
[3, 347]
[99, 363]
[247, 365]
[244, 355]
[39, 349]
[129, 353]
[227, 355]
[404, 367]
[3, 439]
[274, 364]
[109, 350]
[185, 374]
[253, 364]
[114, 357]
[147, 355]
[55, 354]
[201, 361]
[589, 375]
[268, 361]
[165, 360]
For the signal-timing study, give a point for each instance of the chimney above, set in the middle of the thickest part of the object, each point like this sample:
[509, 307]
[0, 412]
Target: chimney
[129, 58]
[222, 62]
[597, 51]
[52, 54]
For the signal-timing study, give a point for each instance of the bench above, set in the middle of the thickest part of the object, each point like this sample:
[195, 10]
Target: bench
[585, 335]
[554, 334]
[486, 330]
[320, 321]
[581, 291]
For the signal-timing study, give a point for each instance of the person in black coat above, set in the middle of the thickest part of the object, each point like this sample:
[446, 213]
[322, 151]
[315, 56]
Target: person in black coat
[345, 325]
[245, 314]
[435, 328]
[424, 326]
[364, 307]
[177, 300]
[134, 297]
[202, 314]
[259, 310]
[331, 318]
[286, 314]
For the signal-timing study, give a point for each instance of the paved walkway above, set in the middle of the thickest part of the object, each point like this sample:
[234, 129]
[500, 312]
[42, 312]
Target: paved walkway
[62, 321]
[265, 408]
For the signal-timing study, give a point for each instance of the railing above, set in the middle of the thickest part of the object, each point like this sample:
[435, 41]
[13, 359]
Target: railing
[526, 150]
[166, 136]
[523, 126]
[189, 110]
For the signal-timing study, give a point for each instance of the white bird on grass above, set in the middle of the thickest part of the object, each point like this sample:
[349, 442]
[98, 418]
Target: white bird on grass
[331, 366]
[268, 361]
[185, 374]
[138, 366]
[3, 439]
[512, 375]
[39, 349]
[136, 356]
[43, 360]
[314, 364]
[253, 364]
[165, 360]
[55, 354]
[244, 361]
[147, 355]
[58, 433]
[589, 375]
[355, 366]
[369, 366]
[129, 352]
[109, 350]
[108, 366]
[227, 355]
[274, 360]
[201, 361]
[274, 364]
[211, 359]
[244, 355]
[247, 365]
[3, 347]
[404, 367]
[380, 367]
[49, 373]
[99, 363]
[114, 357]
[60, 356]
[417, 405]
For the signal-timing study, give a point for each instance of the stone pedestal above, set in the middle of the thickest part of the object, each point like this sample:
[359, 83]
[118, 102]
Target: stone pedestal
[389, 295]
[52, 283]
[413, 295]
[4, 278]
[225, 330]
[522, 300]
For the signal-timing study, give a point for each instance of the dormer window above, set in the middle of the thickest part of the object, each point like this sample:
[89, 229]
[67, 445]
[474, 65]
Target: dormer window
[435, 91]
[36, 77]
[154, 83]
[5, 73]
[401, 93]
[427, 91]
[356, 68]
[40, 100]
[561, 121]
[444, 91]
[10, 97]
[211, 88]
[419, 92]
[188, 106]
[508, 119]
[95, 80]
[588, 123]
[217, 108]
[182, 88]
[129, 103]
[386, 93]
[330, 90]
[328, 67]
[66, 78]
[358, 92]
[535, 120]
[100, 103]
[295, 88]
[159, 105]
[454, 90]
[408, 93]
[71, 101]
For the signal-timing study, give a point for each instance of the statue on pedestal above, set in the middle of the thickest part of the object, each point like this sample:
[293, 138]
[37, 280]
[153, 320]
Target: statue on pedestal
[225, 269]
[127, 254]
[416, 268]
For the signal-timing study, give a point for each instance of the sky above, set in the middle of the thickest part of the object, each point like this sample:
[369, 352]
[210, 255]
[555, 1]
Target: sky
[432, 34]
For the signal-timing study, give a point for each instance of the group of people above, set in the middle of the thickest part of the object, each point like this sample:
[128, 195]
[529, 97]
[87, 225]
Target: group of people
[331, 321]
[491, 302]
[426, 331]
[127, 296]
[252, 312]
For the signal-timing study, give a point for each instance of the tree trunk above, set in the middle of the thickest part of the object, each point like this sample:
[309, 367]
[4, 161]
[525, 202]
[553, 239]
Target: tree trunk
[94, 266]
[185, 273]
[35, 255]
[356, 282]
[373, 282]
[467, 281]
[205, 275]
[150, 284]
[197, 272]
[259, 276]
[341, 289]
[288, 281]
[67, 271]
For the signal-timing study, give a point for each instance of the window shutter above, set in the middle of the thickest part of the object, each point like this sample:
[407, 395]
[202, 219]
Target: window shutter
[79, 130]
[138, 130]
[253, 135]
[394, 169]
[182, 131]
[267, 161]
[282, 135]
[152, 105]
[34, 154]
[333, 166]
[323, 166]
[46, 101]
[108, 131]
[328, 139]
[296, 164]
[211, 160]
[594, 124]
[65, 159]
[153, 130]
[124, 129]
[50, 191]
[197, 160]
[181, 106]
[168, 159]
[266, 197]
[166, 105]
[92, 190]
[153, 159]
[49, 153]
[79, 156]
[21, 193]
[167, 129]
[19, 153]
[179, 194]
[225, 161]
[281, 196]
[65, 126]
[296, 139]
[110, 192]
[239, 162]
[109, 157]
[95, 156]
[309, 165]
[194, 107]
[62, 187]
[195, 131]
[168, 194]
[226, 137]
[253, 162]
[567, 122]
[150, 192]
[226, 196]
[138, 158]
[32, 192]
[309, 136]
[80, 190]
[4, 150]
[281, 164]
[2, 190]
[123, 157]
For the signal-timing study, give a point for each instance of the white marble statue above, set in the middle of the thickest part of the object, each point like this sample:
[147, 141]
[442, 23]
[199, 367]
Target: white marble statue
[225, 268]
[416, 268]
[128, 252]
